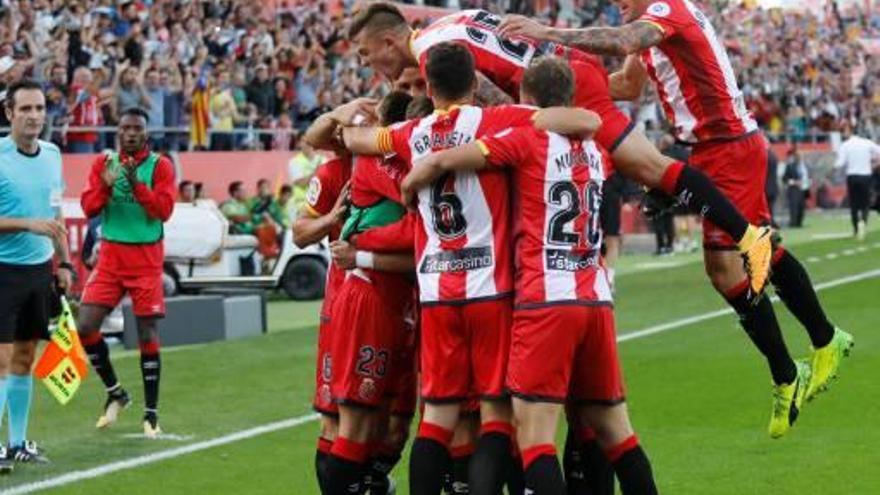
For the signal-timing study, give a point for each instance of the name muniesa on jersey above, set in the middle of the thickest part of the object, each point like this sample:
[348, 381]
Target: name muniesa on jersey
[558, 191]
[324, 189]
[693, 77]
[463, 241]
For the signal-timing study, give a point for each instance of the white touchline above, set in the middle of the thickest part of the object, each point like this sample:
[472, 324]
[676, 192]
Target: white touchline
[134, 462]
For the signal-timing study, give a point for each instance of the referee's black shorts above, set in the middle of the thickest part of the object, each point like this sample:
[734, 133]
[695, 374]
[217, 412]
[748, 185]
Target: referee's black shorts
[25, 294]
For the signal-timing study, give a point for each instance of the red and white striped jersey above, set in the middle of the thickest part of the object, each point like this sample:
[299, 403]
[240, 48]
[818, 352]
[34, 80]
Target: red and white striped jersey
[501, 60]
[558, 191]
[462, 244]
[693, 77]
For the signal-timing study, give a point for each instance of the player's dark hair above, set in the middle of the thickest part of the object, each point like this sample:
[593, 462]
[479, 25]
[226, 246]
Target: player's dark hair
[450, 71]
[376, 17]
[136, 112]
[285, 189]
[234, 186]
[393, 106]
[183, 185]
[550, 82]
[262, 182]
[419, 107]
[23, 84]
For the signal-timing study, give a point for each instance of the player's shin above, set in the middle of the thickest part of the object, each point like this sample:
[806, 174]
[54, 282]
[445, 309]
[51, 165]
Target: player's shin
[794, 287]
[632, 467]
[430, 457]
[490, 463]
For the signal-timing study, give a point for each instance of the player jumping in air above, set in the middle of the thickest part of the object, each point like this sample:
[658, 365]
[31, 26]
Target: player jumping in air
[672, 43]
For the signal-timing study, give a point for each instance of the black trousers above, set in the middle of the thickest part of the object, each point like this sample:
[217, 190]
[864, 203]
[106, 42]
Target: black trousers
[796, 205]
[858, 188]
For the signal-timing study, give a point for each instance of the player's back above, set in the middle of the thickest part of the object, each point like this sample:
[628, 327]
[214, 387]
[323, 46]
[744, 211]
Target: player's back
[502, 60]
[463, 247]
[557, 183]
[693, 75]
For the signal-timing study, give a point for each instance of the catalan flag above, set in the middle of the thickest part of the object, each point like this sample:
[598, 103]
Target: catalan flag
[198, 131]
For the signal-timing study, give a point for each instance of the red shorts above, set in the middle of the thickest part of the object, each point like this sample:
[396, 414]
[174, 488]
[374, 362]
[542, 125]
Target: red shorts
[739, 170]
[464, 350]
[591, 92]
[323, 402]
[565, 353]
[106, 289]
[405, 389]
[368, 329]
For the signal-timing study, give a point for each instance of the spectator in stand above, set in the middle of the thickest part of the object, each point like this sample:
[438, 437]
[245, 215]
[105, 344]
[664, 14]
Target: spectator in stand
[156, 93]
[129, 90]
[261, 91]
[83, 104]
[173, 103]
[223, 114]
[237, 210]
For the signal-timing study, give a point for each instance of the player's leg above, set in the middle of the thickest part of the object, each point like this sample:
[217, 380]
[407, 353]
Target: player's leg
[597, 391]
[323, 401]
[587, 470]
[489, 326]
[32, 326]
[445, 384]
[101, 294]
[151, 371]
[362, 366]
[148, 305]
[461, 450]
[542, 355]
[830, 344]
[637, 158]
[609, 217]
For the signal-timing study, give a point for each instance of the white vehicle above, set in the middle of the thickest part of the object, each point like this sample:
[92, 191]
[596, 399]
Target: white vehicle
[199, 254]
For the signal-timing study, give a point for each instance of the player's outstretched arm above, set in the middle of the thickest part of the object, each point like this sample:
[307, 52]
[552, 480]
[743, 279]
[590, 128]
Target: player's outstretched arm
[322, 134]
[568, 121]
[624, 40]
[364, 140]
[628, 82]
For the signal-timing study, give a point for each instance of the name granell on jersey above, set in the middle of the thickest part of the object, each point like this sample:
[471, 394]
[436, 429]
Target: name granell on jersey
[439, 140]
[574, 157]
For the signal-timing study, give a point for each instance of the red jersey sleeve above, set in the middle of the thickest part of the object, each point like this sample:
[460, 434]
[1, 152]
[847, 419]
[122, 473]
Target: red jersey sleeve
[391, 238]
[496, 119]
[325, 187]
[668, 15]
[158, 201]
[507, 147]
[395, 139]
[94, 197]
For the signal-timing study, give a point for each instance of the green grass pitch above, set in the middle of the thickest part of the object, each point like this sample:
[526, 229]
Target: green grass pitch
[699, 396]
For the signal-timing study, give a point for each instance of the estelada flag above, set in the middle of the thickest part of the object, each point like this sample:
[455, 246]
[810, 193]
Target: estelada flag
[62, 366]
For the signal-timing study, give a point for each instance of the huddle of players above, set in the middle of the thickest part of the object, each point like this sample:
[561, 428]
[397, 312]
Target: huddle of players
[463, 241]
[542, 333]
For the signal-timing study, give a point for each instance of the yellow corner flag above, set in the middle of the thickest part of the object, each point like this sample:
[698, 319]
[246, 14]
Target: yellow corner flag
[62, 367]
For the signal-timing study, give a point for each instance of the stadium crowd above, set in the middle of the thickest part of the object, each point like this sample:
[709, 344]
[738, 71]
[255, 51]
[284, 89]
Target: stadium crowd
[257, 76]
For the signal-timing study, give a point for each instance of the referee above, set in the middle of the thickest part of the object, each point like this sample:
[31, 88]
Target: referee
[31, 232]
[856, 154]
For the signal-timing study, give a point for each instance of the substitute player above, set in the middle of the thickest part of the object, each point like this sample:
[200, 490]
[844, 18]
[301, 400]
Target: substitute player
[31, 233]
[133, 191]
[464, 268]
[564, 345]
[672, 43]
[385, 41]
